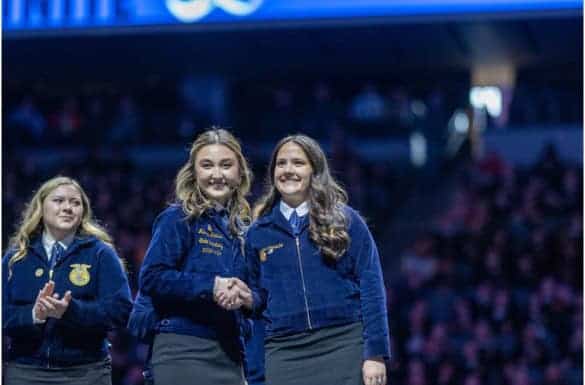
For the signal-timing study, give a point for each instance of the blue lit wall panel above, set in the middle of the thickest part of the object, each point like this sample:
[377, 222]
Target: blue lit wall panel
[23, 15]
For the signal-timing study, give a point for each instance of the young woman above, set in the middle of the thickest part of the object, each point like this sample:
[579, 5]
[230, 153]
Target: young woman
[63, 288]
[195, 247]
[315, 276]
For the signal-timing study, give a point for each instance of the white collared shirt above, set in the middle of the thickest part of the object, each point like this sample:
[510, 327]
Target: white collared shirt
[287, 211]
[49, 242]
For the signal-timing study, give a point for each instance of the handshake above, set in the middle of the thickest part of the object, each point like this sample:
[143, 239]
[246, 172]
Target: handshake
[232, 293]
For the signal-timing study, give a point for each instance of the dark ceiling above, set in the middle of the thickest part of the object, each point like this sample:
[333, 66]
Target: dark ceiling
[370, 47]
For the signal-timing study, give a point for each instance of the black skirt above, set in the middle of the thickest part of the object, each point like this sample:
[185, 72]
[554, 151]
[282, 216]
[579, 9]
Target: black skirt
[183, 359]
[99, 373]
[328, 356]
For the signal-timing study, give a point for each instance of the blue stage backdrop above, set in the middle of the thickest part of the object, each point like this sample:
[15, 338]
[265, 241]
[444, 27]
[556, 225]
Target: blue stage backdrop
[56, 15]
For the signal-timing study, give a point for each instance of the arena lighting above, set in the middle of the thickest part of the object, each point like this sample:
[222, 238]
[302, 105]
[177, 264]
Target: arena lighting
[70, 15]
[193, 10]
[461, 122]
[458, 130]
[489, 97]
[418, 149]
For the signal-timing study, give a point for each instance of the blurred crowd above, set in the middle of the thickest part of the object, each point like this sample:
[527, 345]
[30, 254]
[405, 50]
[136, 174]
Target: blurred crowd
[494, 294]
[162, 112]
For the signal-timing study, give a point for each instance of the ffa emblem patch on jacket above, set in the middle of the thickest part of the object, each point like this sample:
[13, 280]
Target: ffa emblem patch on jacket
[79, 276]
[264, 252]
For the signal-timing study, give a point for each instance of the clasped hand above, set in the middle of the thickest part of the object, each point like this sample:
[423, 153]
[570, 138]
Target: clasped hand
[231, 293]
[48, 304]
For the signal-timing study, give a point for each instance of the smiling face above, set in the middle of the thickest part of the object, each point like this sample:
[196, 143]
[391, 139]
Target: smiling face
[292, 174]
[62, 211]
[217, 172]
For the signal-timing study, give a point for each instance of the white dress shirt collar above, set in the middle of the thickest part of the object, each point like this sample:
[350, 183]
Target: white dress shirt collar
[49, 241]
[287, 211]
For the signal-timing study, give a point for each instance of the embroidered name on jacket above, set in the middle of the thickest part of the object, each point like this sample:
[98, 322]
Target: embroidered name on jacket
[210, 247]
[79, 275]
[264, 252]
[209, 232]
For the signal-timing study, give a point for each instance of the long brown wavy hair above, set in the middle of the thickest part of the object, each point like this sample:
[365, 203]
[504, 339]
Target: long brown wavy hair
[189, 195]
[31, 224]
[327, 221]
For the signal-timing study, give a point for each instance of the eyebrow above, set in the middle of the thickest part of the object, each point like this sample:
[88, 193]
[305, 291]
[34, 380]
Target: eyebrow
[64, 197]
[221, 160]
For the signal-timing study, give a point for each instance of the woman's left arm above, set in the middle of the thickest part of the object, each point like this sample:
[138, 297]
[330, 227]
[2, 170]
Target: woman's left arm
[113, 302]
[372, 291]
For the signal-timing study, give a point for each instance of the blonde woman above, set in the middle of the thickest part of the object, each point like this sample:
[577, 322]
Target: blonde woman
[195, 248]
[63, 288]
[316, 276]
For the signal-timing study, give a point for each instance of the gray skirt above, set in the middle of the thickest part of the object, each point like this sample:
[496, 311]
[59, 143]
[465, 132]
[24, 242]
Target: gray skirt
[182, 359]
[99, 373]
[329, 356]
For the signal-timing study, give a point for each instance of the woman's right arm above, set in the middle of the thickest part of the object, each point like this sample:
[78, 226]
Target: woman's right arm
[161, 276]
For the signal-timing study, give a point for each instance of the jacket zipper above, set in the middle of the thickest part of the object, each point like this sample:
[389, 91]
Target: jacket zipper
[303, 282]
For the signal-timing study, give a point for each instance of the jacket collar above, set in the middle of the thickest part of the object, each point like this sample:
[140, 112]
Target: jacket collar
[218, 218]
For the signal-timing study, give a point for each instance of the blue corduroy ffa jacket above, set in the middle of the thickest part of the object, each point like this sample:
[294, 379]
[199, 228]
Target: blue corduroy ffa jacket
[178, 274]
[296, 289]
[101, 301]
[254, 348]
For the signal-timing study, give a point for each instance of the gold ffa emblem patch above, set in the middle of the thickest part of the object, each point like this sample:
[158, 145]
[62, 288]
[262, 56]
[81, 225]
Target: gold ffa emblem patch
[79, 276]
[268, 250]
[39, 272]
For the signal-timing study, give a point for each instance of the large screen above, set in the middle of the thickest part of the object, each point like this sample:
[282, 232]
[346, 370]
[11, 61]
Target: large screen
[56, 15]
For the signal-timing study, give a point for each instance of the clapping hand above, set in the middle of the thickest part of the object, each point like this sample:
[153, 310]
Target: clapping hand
[39, 311]
[232, 293]
[48, 304]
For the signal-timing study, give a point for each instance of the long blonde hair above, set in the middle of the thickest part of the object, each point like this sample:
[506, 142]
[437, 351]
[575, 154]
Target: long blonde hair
[327, 222]
[191, 198]
[31, 224]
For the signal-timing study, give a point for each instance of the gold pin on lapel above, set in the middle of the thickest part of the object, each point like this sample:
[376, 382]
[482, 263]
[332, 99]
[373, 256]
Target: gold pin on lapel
[268, 250]
[39, 272]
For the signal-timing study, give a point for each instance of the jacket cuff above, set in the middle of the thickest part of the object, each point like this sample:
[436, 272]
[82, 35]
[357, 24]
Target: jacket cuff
[379, 347]
[26, 316]
[205, 285]
[77, 312]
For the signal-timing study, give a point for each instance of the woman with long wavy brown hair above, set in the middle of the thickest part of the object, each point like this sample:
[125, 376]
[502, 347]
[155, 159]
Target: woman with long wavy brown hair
[63, 288]
[315, 276]
[194, 251]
